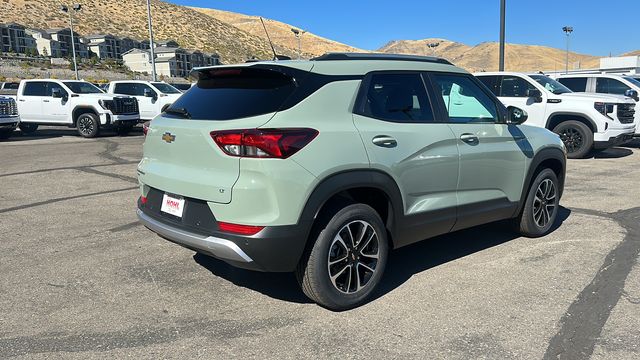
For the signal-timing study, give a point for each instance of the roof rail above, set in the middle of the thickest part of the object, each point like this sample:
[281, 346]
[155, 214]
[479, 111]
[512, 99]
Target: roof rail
[378, 56]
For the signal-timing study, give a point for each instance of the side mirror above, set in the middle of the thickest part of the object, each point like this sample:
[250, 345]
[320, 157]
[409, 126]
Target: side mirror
[632, 94]
[516, 116]
[535, 94]
[149, 93]
[56, 93]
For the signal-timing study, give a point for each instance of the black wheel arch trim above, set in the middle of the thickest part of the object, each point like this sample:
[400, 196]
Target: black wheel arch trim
[351, 179]
[84, 107]
[569, 113]
[552, 153]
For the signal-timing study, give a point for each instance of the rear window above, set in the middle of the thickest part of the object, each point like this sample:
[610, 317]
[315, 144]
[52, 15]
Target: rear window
[224, 94]
[577, 84]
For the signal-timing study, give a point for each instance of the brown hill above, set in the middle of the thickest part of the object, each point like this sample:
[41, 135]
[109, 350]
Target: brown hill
[191, 29]
[279, 32]
[484, 56]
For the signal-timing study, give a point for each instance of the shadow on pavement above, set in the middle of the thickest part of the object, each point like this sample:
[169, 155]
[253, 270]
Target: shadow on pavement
[402, 265]
[613, 153]
[61, 131]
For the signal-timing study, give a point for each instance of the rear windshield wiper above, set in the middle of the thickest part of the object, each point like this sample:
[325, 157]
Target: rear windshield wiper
[182, 112]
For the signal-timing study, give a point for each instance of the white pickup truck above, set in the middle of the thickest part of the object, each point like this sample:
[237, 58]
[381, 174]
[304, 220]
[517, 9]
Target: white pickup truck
[78, 104]
[584, 122]
[9, 118]
[153, 96]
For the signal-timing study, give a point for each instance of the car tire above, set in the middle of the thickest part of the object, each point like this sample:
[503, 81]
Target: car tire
[541, 206]
[28, 128]
[338, 275]
[5, 134]
[88, 125]
[577, 138]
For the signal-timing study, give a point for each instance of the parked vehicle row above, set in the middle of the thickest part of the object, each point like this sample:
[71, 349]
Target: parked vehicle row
[82, 105]
[584, 121]
[321, 167]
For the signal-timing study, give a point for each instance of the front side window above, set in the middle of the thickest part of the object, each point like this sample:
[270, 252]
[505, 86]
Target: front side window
[398, 98]
[82, 87]
[55, 86]
[464, 99]
[35, 88]
[165, 88]
[577, 84]
[610, 86]
[550, 84]
[514, 86]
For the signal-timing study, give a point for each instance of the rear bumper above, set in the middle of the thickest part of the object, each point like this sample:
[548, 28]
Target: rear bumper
[273, 249]
[614, 141]
[217, 247]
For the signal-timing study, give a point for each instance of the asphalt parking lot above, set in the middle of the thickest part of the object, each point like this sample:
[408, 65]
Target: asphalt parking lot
[80, 278]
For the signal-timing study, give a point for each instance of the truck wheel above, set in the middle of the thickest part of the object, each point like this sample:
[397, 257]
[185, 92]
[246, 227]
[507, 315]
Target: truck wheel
[88, 125]
[5, 134]
[577, 137]
[28, 128]
[347, 259]
[541, 206]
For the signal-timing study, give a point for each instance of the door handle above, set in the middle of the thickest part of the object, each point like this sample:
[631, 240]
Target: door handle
[45, 100]
[469, 138]
[23, 100]
[385, 141]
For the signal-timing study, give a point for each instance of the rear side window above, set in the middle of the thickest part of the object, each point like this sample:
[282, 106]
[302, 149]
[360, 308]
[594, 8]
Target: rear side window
[610, 86]
[577, 84]
[464, 100]
[35, 88]
[491, 82]
[225, 94]
[131, 89]
[514, 86]
[397, 98]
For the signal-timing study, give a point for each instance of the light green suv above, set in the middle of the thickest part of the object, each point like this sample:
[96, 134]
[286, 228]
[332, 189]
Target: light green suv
[322, 166]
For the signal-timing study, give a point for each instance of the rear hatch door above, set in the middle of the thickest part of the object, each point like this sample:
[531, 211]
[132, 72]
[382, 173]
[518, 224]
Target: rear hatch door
[180, 156]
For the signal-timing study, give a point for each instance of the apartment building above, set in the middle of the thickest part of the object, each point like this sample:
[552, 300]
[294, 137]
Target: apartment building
[13, 38]
[64, 37]
[170, 61]
[104, 46]
[45, 45]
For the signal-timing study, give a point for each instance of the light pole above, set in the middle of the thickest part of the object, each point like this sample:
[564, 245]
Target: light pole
[75, 8]
[567, 30]
[433, 47]
[298, 35]
[502, 31]
[152, 45]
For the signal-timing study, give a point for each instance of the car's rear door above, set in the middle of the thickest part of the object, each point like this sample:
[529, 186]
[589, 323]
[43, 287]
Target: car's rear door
[30, 101]
[403, 138]
[492, 154]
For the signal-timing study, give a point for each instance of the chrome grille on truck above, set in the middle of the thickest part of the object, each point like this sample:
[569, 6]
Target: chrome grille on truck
[8, 107]
[626, 113]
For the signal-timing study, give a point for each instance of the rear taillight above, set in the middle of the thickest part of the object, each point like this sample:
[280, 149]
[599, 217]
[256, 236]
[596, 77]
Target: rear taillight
[145, 128]
[263, 143]
[239, 229]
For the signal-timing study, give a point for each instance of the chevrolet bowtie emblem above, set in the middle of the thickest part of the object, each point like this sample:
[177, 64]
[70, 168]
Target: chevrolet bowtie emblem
[168, 137]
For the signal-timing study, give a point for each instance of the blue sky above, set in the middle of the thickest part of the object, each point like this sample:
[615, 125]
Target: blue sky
[600, 27]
